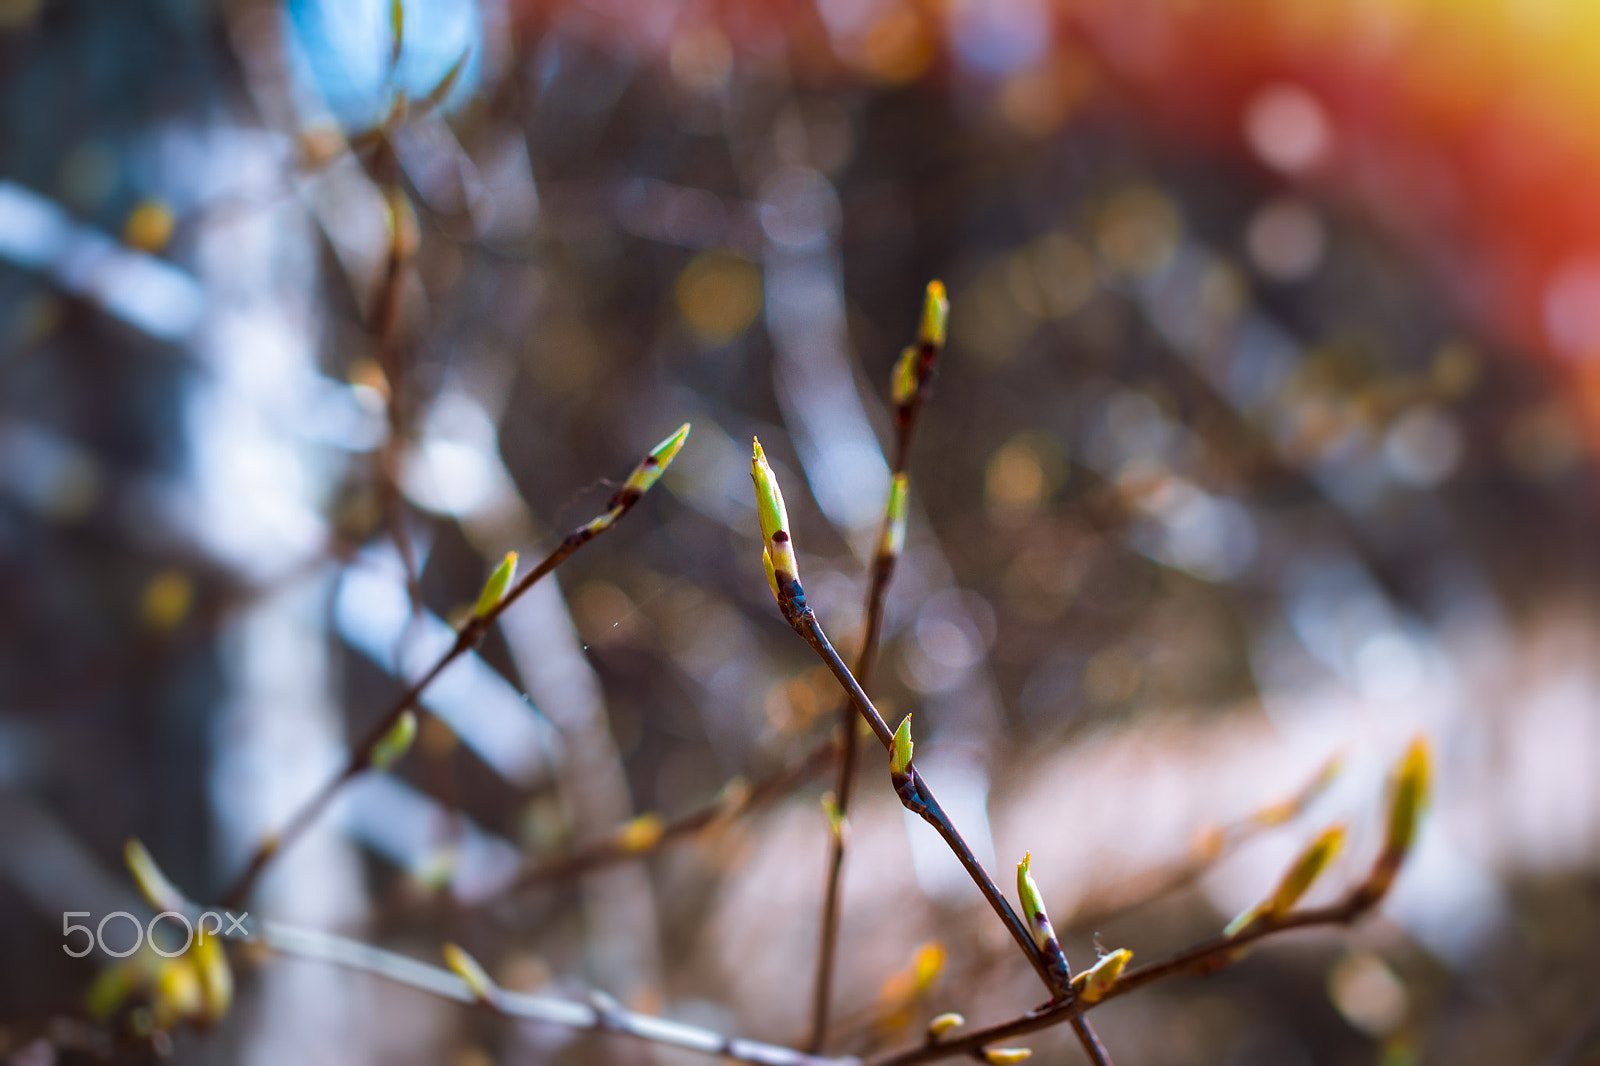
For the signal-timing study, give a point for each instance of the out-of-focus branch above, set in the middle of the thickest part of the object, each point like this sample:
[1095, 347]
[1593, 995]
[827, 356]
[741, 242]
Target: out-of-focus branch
[643, 477]
[647, 834]
[1211, 847]
[469, 984]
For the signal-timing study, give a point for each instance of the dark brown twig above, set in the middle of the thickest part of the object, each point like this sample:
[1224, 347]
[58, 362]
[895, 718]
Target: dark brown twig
[913, 791]
[916, 797]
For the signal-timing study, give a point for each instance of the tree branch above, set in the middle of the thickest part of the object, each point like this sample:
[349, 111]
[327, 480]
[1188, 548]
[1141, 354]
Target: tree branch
[642, 478]
[1204, 957]
[921, 363]
[601, 1014]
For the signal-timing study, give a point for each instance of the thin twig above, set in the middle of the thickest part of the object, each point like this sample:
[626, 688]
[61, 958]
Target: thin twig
[601, 1014]
[914, 792]
[849, 745]
[468, 638]
[916, 797]
[906, 411]
[1214, 845]
[617, 848]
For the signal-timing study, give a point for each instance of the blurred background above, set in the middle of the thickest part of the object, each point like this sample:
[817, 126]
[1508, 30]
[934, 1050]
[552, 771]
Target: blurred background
[1265, 434]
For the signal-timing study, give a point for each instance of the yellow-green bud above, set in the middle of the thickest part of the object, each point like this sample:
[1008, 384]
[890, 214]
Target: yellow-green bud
[394, 744]
[176, 995]
[650, 469]
[494, 589]
[935, 315]
[944, 1023]
[1095, 983]
[159, 892]
[1283, 810]
[778, 546]
[1245, 919]
[1305, 870]
[903, 382]
[1406, 805]
[836, 818]
[216, 979]
[471, 971]
[926, 966]
[1410, 798]
[1033, 905]
[641, 833]
[894, 517]
[1006, 1056]
[900, 751]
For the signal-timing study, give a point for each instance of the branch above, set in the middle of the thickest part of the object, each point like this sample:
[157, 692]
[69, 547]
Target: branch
[782, 566]
[910, 387]
[913, 791]
[643, 477]
[732, 803]
[1212, 845]
[1201, 958]
[1275, 914]
[601, 1014]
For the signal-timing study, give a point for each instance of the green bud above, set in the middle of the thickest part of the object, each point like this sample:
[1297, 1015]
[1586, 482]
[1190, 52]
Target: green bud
[1304, 871]
[159, 892]
[903, 382]
[216, 979]
[1006, 1056]
[396, 742]
[494, 589]
[1033, 905]
[900, 752]
[649, 471]
[1406, 805]
[471, 971]
[397, 30]
[836, 818]
[944, 1023]
[640, 833]
[777, 544]
[1095, 983]
[1283, 810]
[1410, 798]
[894, 517]
[1245, 919]
[935, 316]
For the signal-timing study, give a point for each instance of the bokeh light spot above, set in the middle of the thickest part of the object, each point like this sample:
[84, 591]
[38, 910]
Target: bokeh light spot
[167, 599]
[1287, 128]
[149, 226]
[1138, 231]
[1368, 993]
[719, 295]
[1286, 239]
